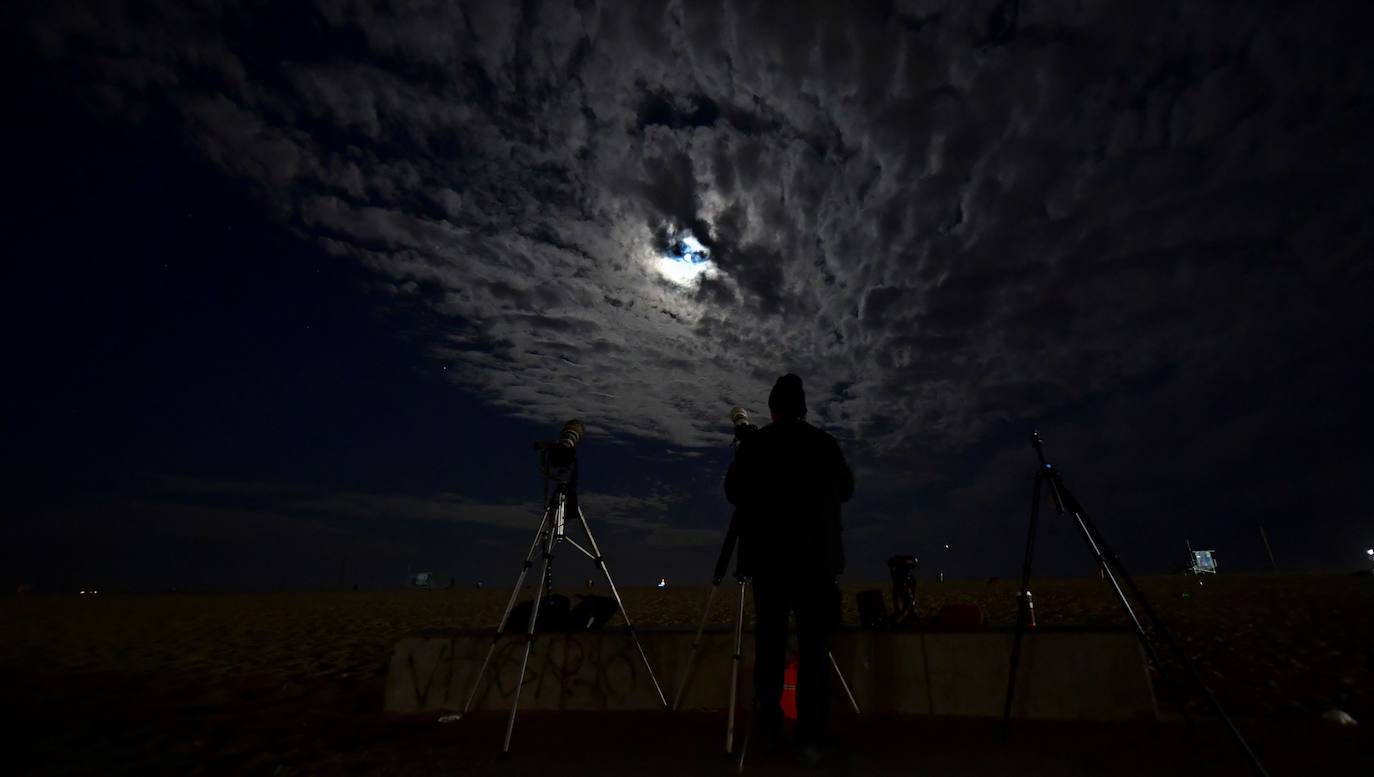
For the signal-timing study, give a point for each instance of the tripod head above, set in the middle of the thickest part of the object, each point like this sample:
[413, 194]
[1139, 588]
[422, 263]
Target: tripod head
[1038, 445]
[901, 565]
[1051, 475]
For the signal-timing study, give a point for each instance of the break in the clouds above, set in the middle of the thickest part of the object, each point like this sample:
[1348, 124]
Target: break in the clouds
[950, 218]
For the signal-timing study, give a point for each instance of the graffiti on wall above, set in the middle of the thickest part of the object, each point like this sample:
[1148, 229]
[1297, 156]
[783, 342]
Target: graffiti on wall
[579, 669]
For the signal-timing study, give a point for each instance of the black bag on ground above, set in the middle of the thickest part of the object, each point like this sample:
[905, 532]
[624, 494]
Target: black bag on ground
[553, 615]
[593, 612]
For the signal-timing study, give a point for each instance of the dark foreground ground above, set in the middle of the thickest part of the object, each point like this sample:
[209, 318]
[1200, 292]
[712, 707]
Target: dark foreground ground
[291, 684]
[146, 740]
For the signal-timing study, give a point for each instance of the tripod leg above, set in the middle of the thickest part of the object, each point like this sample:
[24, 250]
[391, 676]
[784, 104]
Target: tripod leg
[1021, 603]
[735, 658]
[529, 643]
[1091, 539]
[696, 643]
[1111, 567]
[510, 604]
[1110, 559]
[606, 573]
[844, 685]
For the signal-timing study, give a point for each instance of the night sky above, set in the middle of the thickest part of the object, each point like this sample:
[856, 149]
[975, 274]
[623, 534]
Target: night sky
[291, 288]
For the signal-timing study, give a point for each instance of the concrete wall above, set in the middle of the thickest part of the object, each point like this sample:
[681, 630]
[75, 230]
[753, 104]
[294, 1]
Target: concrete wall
[1064, 675]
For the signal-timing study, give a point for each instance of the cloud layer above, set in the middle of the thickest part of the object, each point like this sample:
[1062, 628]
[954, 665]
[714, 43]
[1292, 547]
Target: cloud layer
[951, 219]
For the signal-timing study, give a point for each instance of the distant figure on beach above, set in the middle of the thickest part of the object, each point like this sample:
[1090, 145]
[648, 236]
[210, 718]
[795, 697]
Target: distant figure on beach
[788, 481]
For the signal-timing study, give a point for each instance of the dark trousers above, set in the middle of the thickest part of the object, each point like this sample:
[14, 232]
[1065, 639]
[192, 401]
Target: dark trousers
[816, 604]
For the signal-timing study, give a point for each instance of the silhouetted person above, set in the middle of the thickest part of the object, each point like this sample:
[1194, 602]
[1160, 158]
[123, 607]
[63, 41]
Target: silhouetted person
[788, 480]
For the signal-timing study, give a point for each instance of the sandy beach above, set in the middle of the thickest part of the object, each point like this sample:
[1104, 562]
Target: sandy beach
[292, 683]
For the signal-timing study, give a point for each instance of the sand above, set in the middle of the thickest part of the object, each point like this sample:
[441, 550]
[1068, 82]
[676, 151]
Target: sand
[292, 683]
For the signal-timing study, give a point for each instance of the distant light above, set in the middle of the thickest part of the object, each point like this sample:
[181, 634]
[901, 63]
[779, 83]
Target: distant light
[946, 547]
[663, 582]
[1369, 552]
[83, 592]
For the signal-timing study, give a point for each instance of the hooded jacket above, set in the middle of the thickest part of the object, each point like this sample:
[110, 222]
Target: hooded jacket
[788, 481]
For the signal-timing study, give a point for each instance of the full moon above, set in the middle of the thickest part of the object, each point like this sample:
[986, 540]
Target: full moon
[684, 259]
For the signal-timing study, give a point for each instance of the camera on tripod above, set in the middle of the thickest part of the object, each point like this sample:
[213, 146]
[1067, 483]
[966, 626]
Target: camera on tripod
[549, 611]
[903, 571]
[558, 458]
[743, 429]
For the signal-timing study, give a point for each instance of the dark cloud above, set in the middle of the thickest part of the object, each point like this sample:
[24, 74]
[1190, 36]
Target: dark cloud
[974, 217]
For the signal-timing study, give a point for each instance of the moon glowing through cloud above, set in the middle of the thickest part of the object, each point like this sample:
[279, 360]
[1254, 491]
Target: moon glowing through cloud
[685, 259]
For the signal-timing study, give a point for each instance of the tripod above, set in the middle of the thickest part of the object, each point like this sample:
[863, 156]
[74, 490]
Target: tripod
[904, 609]
[737, 655]
[552, 530]
[1114, 573]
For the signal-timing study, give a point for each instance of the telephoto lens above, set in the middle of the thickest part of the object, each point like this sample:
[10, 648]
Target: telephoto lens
[571, 434]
